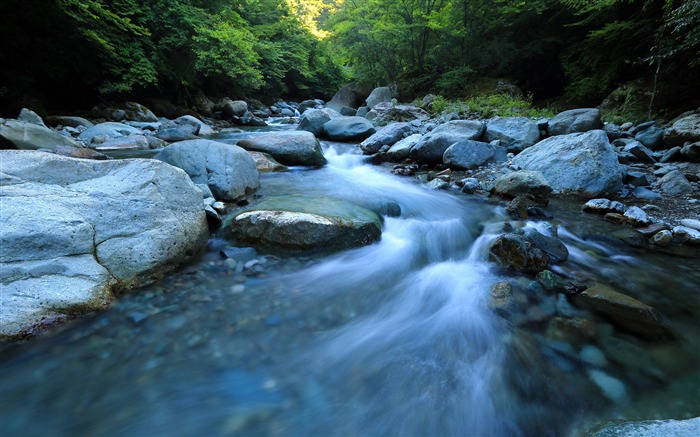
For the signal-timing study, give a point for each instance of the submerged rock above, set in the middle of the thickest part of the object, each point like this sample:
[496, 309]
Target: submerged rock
[302, 223]
[519, 253]
[651, 428]
[623, 310]
[104, 225]
[265, 163]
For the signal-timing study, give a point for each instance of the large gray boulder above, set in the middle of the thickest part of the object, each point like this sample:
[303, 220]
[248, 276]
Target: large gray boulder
[228, 170]
[378, 95]
[431, 148]
[68, 120]
[651, 428]
[386, 112]
[288, 148]
[580, 163]
[137, 112]
[522, 183]
[472, 154]
[674, 183]
[515, 133]
[74, 231]
[402, 149]
[104, 131]
[200, 127]
[351, 128]
[312, 120]
[302, 223]
[575, 120]
[386, 136]
[231, 108]
[28, 136]
[29, 116]
[685, 129]
[351, 96]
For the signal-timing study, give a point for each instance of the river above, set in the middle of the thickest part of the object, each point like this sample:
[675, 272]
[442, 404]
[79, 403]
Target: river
[397, 338]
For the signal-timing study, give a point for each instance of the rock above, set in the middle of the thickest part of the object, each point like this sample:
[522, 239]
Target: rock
[29, 116]
[472, 154]
[27, 136]
[575, 120]
[515, 133]
[431, 148]
[79, 152]
[622, 310]
[437, 184]
[307, 104]
[646, 194]
[137, 112]
[302, 223]
[174, 135]
[265, 163]
[580, 163]
[288, 148]
[248, 119]
[386, 136]
[683, 234]
[662, 238]
[313, 120]
[348, 128]
[228, 170]
[612, 388]
[105, 226]
[68, 120]
[684, 130]
[348, 112]
[519, 253]
[201, 127]
[672, 154]
[550, 281]
[520, 183]
[691, 152]
[105, 131]
[651, 137]
[636, 216]
[691, 223]
[470, 185]
[674, 183]
[614, 132]
[386, 112]
[402, 149]
[555, 250]
[640, 152]
[362, 111]
[651, 428]
[378, 95]
[598, 206]
[500, 295]
[351, 95]
[203, 105]
[636, 178]
[230, 108]
[129, 142]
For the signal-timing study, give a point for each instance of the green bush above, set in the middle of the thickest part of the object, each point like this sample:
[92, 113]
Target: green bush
[495, 105]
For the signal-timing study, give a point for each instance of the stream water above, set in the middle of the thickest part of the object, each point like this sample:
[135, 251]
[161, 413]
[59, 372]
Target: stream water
[396, 338]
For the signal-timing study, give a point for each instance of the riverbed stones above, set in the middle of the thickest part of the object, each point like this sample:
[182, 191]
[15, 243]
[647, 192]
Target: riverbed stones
[28, 136]
[348, 128]
[104, 225]
[265, 163]
[104, 131]
[684, 130]
[228, 170]
[651, 428]
[621, 309]
[386, 112]
[674, 183]
[378, 95]
[312, 120]
[514, 133]
[431, 148]
[29, 116]
[518, 253]
[575, 120]
[691, 152]
[129, 142]
[199, 127]
[523, 183]
[580, 163]
[468, 154]
[386, 136]
[68, 121]
[402, 149]
[303, 223]
[288, 148]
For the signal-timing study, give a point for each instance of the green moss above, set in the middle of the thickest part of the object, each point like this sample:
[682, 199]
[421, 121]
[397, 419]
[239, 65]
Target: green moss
[487, 106]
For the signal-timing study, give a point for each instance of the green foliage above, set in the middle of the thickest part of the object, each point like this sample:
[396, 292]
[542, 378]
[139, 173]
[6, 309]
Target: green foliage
[487, 106]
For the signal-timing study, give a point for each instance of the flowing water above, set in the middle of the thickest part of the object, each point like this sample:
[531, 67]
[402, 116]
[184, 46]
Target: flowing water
[397, 338]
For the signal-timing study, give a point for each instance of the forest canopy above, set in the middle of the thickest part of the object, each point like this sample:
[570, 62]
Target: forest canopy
[72, 52]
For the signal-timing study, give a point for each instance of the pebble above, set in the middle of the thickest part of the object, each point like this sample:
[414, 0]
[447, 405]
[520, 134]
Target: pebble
[691, 223]
[637, 217]
[612, 388]
[236, 289]
[662, 238]
[230, 263]
[593, 356]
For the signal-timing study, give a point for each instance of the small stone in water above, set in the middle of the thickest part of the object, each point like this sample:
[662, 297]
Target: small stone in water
[593, 356]
[236, 289]
[663, 238]
[251, 263]
[230, 263]
[612, 388]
